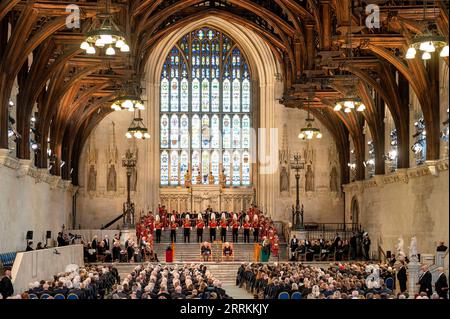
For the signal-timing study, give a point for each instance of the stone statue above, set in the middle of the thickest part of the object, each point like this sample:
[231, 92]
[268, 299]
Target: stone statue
[309, 180]
[334, 184]
[92, 179]
[211, 178]
[413, 250]
[111, 185]
[284, 180]
[223, 179]
[400, 251]
[188, 179]
[133, 179]
[199, 177]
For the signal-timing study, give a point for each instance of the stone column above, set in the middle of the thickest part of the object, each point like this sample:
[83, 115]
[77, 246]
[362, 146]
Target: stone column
[413, 277]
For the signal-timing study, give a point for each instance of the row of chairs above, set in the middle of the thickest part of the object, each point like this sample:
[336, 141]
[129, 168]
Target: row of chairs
[285, 295]
[57, 296]
[7, 259]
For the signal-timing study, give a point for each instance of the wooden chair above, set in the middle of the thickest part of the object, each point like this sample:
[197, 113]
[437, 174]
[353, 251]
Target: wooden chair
[230, 257]
[301, 257]
[316, 257]
[210, 258]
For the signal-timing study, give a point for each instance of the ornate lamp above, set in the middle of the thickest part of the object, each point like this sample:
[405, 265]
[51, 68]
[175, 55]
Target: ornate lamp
[128, 98]
[309, 131]
[104, 33]
[349, 103]
[137, 128]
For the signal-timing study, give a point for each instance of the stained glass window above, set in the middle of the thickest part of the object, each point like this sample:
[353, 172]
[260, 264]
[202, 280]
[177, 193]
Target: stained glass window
[205, 97]
[164, 168]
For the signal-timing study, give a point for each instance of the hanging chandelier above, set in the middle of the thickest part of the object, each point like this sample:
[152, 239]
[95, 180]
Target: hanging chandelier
[104, 33]
[349, 103]
[128, 98]
[308, 132]
[427, 42]
[137, 128]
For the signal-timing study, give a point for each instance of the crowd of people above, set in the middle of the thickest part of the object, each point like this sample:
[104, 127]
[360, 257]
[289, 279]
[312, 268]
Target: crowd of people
[92, 282]
[252, 222]
[193, 281]
[337, 249]
[358, 280]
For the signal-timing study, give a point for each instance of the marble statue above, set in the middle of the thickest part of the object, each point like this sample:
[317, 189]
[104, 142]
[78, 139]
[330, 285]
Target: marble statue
[92, 179]
[400, 251]
[413, 250]
[334, 183]
[284, 180]
[111, 185]
[309, 180]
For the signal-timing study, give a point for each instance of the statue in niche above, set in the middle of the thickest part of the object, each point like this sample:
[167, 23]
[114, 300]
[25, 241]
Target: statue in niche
[92, 179]
[111, 185]
[309, 179]
[188, 179]
[334, 183]
[133, 180]
[284, 180]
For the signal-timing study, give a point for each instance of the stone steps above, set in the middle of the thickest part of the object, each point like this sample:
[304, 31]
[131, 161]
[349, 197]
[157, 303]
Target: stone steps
[165, 235]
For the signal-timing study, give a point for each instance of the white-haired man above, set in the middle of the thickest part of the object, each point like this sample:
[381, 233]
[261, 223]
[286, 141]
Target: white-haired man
[441, 285]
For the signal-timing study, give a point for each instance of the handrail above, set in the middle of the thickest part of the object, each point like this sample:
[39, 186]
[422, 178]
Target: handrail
[112, 222]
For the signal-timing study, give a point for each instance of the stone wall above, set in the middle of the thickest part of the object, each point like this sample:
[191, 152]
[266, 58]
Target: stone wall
[406, 203]
[30, 199]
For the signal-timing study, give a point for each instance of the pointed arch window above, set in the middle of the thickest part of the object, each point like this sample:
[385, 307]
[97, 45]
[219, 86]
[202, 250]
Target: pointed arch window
[205, 105]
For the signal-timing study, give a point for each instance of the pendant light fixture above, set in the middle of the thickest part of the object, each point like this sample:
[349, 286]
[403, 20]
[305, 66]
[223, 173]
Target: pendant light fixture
[137, 128]
[309, 131]
[104, 34]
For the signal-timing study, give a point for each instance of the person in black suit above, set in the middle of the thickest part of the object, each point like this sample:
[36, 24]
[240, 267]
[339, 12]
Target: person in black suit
[425, 281]
[441, 285]
[402, 276]
[293, 246]
[106, 241]
[6, 286]
[60, 240]
[94, 243]
[441, 247]
[353, 245]
[29, 246]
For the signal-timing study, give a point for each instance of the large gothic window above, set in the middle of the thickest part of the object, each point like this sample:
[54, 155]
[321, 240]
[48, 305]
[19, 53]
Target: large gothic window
[205, 110]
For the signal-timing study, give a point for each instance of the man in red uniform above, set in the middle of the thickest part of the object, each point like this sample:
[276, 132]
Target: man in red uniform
[223, 228]
[200, 226]
[255, 227]
[158, 227]
[212, 228]
[247, 226]
[173, 229]
[187, 229]
[236, 227]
